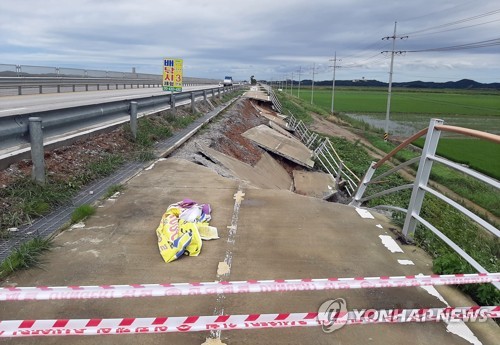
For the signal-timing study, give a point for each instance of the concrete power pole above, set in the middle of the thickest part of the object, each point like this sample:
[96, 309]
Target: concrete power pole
[389, 92]
[298, 93]
[333, 80]
[312, 89]
[291, 89]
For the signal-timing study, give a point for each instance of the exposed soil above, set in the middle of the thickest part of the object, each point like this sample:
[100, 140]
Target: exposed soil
[224, 135]
[68, 161]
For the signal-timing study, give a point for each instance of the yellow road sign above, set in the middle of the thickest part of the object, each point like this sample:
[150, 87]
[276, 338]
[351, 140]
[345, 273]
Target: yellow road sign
[172, 74]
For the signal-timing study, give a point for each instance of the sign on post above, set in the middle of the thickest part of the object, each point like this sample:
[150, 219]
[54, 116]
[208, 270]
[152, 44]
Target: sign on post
[172, 74]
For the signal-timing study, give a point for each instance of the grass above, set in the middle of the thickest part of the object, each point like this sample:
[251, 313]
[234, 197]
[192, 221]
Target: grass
[82, 212]
[113, 189]
[26, 256]
[465, 186]
[468, 235]
[405, 101]
[477, 154]
[24, 200]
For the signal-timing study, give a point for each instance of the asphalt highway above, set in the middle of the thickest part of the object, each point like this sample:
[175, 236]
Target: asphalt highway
[17, 105]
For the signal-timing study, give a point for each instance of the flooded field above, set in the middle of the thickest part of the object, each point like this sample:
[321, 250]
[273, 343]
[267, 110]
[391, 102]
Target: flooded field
[404, 125]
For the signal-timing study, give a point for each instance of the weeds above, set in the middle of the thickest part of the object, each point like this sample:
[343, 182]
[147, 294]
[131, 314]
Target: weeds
[82, 212]
[26, 256]
[113, 189]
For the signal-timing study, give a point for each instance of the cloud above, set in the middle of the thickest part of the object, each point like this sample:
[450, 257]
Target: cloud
[265, 38]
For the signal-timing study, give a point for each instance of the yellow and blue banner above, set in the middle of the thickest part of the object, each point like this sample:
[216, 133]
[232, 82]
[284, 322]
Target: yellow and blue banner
[172, 74]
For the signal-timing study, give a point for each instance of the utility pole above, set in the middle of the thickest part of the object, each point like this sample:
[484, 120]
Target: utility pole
[291, 89]
[389, 92]
[312, 89]
[286, 83]
[333, 80]
[298, 93]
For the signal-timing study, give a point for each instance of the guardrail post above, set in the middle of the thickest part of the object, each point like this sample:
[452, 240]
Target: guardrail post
[422, 178]
[172, 103]
[362, 186]
[133, 119]
[40, 89]
[213, 93]
[37, 154]
[218, 92]
[205, 95]
[193, 108]
[19, 90]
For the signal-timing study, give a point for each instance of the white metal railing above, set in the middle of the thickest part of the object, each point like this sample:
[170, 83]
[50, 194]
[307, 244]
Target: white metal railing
[326, 154]
[421, 186]
[324, 151]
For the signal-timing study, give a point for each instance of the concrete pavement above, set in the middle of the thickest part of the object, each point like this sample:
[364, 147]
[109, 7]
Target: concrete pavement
[275, 234]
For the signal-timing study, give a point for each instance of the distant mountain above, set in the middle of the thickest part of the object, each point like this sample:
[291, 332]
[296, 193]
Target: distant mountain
[461, 84]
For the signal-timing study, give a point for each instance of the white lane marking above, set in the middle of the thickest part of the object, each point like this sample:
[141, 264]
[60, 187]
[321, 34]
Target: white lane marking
[364, 213]
[127, 96]
[405, 262]
[456, 327]
[12, 109]
[390, 244]
[224, 268]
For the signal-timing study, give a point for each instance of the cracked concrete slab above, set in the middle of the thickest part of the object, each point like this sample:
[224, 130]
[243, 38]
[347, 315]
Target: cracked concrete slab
[277, 143]
[259, 176]
[314, 183]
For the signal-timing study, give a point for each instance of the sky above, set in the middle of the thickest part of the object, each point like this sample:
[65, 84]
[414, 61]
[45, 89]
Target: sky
[269, 39]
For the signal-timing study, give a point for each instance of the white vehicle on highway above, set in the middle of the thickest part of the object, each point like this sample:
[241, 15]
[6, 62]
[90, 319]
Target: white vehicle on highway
[228, 81]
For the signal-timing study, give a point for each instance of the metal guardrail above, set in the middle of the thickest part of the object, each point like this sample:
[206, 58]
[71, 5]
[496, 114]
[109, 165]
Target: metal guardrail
[14, 130]
[421, 186]
[17, 79]
[324, 152]
[274, 99]
[335, 166]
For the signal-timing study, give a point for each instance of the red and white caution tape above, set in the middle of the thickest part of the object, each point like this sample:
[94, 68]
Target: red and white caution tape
[234, 287]
[29, 328]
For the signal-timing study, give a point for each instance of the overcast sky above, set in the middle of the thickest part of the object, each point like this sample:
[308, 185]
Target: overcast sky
[270, 39]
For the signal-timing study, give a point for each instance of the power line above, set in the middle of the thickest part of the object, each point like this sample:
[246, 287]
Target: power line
[474, 45]
[460, 21]
[462, 27]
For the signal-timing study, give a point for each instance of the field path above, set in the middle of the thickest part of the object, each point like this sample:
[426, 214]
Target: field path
[321, 125]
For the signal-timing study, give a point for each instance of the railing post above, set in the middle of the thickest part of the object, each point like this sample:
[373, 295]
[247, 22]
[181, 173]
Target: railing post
[172, 103]
[37, 154]
[193, 108]
[213, 93]
[205, 95]
[218, 92]
[133, 119]
[362, 186]
[422, 178]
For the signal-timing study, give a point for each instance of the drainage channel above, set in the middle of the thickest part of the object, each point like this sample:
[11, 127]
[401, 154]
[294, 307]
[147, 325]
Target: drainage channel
[45, 226]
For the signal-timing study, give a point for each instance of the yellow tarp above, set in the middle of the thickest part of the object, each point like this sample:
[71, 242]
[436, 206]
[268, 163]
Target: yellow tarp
[178, 232]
